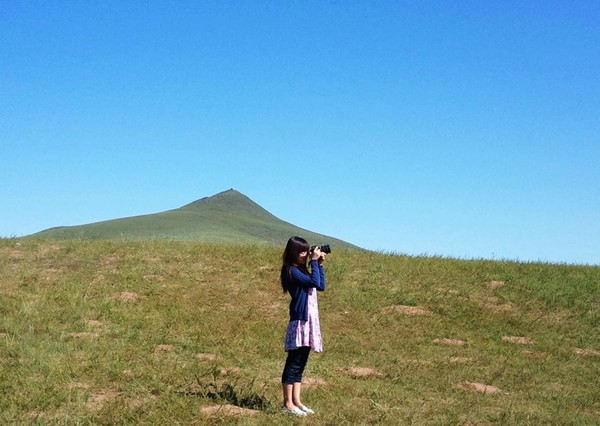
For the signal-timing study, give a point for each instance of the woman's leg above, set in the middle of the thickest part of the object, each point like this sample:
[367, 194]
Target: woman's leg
[297, 388]
[292, 370]
[288, 395]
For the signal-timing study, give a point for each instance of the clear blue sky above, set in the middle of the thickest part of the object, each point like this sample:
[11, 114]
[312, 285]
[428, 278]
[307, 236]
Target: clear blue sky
[466, 129]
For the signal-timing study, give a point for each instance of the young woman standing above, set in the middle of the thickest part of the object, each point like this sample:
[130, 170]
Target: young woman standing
[303, 331]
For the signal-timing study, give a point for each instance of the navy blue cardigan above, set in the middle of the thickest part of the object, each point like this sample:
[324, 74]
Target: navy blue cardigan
[298, 285]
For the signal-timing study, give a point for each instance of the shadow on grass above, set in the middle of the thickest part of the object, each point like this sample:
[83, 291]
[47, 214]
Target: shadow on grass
[240, 395]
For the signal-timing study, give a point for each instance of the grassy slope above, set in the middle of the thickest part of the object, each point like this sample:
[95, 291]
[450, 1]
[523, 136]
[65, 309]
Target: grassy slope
[105, 332]
[228, 217]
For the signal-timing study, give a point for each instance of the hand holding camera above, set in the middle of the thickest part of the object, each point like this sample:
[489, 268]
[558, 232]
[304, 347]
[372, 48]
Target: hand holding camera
[315, 253]
[318, 252]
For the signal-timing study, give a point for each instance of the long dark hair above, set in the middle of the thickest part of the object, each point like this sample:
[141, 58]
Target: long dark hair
[293, 248]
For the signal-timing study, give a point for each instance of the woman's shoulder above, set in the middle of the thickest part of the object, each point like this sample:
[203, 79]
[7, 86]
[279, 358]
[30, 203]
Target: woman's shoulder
[299, 269]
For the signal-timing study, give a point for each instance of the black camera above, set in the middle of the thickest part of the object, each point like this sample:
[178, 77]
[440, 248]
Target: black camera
[324, 248]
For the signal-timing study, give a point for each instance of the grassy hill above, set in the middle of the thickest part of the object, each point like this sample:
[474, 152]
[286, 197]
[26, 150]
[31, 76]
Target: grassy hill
[166, 332]
[227, 217]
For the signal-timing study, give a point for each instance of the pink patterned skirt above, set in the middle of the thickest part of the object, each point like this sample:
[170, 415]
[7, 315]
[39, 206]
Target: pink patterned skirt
[306, 333]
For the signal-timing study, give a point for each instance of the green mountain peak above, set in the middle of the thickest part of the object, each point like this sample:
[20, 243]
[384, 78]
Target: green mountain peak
[228, 217]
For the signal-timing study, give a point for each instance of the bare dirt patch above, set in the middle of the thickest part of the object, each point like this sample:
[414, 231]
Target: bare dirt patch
[229, 371]
[450, 342]
[491, 304]
[228, 410]
[78, 385]
[110, 261]
[506, 307]
[446, 291]
[519, 340]
[13, 253]
[495, 284]
[46, 249]
[153, 278]
[141, 400]
[313, 382]
[586, 352]
[128, 373]
[127, 296]
[97, 400]
[94, 323]
[266, 268]
[206, 357]
[84, 335]
[98, 278]
[138, 402]
[459, 360]
[407, 310]
[164, 348]
[51, 273]
[479, 387]
[361, 372]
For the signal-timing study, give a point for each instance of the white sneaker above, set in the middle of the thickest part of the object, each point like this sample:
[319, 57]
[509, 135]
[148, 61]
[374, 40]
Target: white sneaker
[306, 409]
[295, 411]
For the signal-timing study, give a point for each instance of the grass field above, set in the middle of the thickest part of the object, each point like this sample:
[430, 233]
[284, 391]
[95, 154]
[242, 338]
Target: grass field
[98, 332]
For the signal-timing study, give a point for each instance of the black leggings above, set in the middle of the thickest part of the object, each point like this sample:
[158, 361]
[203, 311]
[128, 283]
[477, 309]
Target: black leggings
[294, 365]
